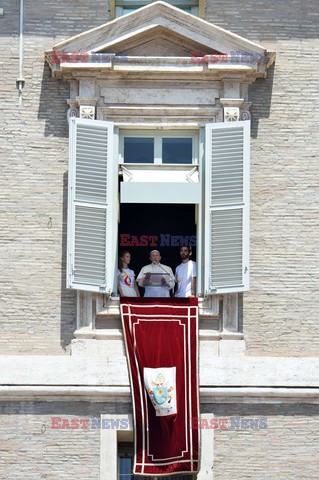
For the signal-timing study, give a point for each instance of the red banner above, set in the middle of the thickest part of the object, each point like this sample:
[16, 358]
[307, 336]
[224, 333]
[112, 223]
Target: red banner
[161, 338]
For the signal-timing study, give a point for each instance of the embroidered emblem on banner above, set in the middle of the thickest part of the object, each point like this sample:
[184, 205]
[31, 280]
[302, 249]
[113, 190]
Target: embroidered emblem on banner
[160, 384]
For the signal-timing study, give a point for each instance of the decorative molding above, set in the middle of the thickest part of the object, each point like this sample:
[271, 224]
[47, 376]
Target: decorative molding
[72, 112]
[139, 28]
[91, 101]
[183, 117]
[87, 112]
[231, 114]
[232, 102]
[123, 394]
[245, 115]
[163, 14]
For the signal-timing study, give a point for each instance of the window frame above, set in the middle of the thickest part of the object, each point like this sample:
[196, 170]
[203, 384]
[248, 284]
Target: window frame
[110, 439]
[204, 286]
[158, 136]
[116, 11]
[198, 136]
[126, 450]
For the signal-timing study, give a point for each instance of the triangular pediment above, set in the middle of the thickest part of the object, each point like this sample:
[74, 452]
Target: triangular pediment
[158, 29]
[156, 41]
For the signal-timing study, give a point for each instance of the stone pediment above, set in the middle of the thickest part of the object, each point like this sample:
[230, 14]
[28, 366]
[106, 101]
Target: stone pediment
[158, 41]
[162, 36]
[107, 36]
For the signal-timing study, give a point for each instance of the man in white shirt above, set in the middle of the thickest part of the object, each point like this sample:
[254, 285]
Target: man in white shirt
[157, 279]
[185, 275]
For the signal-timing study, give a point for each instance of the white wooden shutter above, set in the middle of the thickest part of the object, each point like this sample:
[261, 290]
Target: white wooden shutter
[92, 206]
[227, 153]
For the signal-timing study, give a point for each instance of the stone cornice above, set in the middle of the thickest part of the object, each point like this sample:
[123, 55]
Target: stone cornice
[148, 66]
[246, 395]
[100, 370]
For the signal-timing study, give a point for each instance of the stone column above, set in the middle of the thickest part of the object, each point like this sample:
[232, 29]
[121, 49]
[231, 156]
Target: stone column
[230, 312]
[207, 451]
[87, 98]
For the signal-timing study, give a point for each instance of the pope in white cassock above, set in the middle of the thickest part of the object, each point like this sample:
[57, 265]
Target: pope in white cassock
[157, 279]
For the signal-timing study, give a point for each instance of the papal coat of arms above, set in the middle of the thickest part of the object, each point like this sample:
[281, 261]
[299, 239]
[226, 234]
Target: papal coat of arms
[160, 384]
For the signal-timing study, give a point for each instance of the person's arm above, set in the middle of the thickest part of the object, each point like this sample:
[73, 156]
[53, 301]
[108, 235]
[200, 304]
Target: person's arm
[176, 284]
[171, 282]
[194, 275]
[144, 277]
[193, 287]
[147, 279]
[136, 288]
[140, 278]
[119, 288]
[168, 282]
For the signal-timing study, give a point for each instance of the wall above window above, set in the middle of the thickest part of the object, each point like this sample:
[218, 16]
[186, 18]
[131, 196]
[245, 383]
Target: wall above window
[118, 8]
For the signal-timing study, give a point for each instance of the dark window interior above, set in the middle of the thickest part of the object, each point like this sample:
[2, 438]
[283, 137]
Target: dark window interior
[162, 221]
[177, 150]
[138, 150]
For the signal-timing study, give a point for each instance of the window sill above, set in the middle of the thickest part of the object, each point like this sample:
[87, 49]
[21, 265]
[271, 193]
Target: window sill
[117, 334]
[208, 307]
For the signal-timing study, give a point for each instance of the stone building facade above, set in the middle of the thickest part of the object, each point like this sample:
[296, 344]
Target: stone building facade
[61, 350]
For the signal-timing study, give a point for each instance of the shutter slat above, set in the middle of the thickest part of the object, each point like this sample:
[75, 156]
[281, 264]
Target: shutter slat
[91, 164]
[91, 192]
[230, 238]
[225, 175]
[90, 240]
[227, 155]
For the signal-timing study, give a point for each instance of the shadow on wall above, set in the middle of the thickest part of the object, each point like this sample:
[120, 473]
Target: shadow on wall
[53, 109]
[241, 312]
[260, 93]
[68, 296]
[52, 105]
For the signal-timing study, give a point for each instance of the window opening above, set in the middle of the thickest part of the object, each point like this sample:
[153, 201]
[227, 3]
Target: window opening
[138, 150]
[178, 148]
[125, 466]
[123, 7]
[164, 227]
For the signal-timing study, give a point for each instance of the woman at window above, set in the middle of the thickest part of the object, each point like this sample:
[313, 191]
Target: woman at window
[126, 278]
